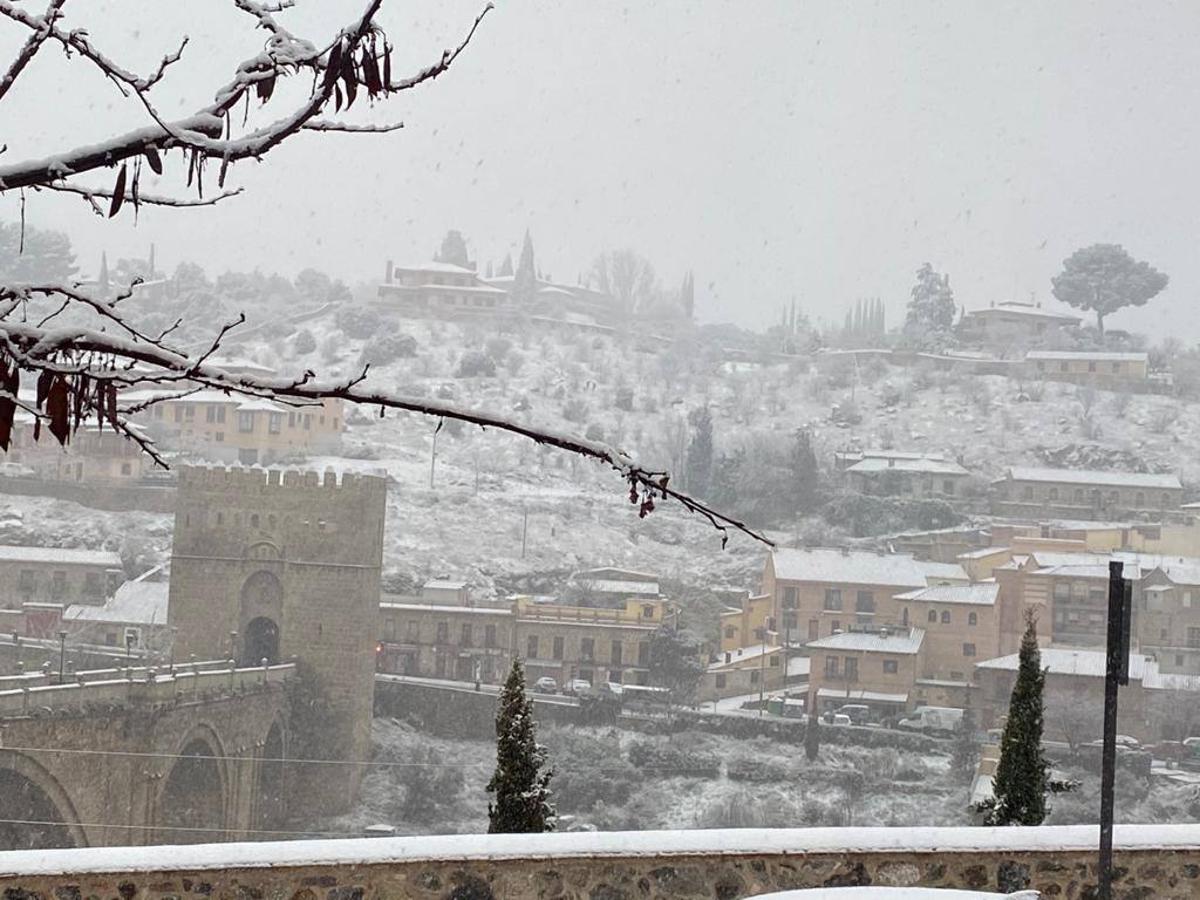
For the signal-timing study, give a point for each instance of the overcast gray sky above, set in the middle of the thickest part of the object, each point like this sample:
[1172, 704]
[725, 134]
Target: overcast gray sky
[787, 149]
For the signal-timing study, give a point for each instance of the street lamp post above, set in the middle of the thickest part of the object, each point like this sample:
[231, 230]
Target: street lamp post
[62, 655]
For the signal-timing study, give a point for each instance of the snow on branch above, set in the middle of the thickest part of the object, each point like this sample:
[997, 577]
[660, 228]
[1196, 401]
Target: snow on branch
[80, 371]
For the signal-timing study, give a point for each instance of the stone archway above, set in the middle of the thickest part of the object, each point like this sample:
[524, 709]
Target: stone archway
[259, 619]
[270, 785]
[191, 804]
[260, 641]
[38, 814]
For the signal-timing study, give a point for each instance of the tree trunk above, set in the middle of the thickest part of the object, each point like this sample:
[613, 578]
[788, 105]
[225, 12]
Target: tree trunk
[1100, 322]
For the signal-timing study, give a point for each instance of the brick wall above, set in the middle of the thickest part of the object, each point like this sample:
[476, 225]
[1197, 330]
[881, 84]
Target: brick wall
[1161, 862]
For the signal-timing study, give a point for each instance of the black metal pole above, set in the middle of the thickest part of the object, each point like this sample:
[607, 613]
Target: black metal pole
[1108, 763]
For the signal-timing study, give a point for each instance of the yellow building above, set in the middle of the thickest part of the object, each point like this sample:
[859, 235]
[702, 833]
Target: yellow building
[230, 428]
[444, 640]
[877, 668]
[1098, 369]
[818, 591]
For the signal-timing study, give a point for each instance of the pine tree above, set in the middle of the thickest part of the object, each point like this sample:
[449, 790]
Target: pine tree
[700, 452]
[524, 287]
[931, 310]
[1021, 783]
[453, 250]
[521, 783]
[805, 471]
[812, 736]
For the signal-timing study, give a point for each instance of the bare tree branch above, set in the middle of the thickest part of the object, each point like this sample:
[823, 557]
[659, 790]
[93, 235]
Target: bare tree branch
[330, 125]
[31, 46]
[90, 193]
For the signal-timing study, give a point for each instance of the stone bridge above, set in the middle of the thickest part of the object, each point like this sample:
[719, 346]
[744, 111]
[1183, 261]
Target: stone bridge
[139, 756]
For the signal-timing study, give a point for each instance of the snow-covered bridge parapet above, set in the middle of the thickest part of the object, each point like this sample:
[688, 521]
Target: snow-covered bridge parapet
[21, 695]
[1162, 862]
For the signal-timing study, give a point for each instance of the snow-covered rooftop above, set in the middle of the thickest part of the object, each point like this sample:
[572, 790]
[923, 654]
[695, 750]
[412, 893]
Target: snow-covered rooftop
[824, 564]
[1085, 356]
[905, 641]
[65, 556]
[940, 571]
[872, 465]
[445, 268]
[1009, 309]
[1068, 661]
[981, 594]
[983, 553]
[1094, 478]
[142, 602]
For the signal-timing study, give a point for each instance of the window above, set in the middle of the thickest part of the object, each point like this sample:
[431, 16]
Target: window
[972, 618]
[791, 622]
[1063, 367]
[221, 414]
[775, 660]
[413, 631]
[291, 420]
[1186, 600]
[890, 667]
[1053, 493]
[1092, 366]
[1116, 367]
[93, 584]
[644, 653]
[1027, 492]
[932, 615]
[1062, 590]
[835, 626]
[833, 599]
[945, 617]
[443, 632]
[831, 667]
[587, 649]
[464, 639]
[754, 676]
[126, 468]
[489, 636]
[1193, 638]
[851, 668]
[307, 422]
[220, 437]
[245, 422]
[210, 413]
[1139, 499]
[389, 629]
[58, 583]
[791, 598]
[254, 520]
[647, 611]
[616, 653]
[720, 682]
[275, 423]
[948, 486]
[864, 602]
[968, 649]
[760, 634]
[1179, 659]
[1078, 495]
[730, 631]
[189, 412]
[178, 413]
[557, 651]
[531, 647]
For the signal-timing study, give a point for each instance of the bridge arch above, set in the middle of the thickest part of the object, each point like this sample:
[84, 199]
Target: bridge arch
[193, 802]
[260, 617]
[270, 785]
[33, 797]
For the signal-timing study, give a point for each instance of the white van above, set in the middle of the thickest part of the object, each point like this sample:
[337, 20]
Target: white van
[933, 720]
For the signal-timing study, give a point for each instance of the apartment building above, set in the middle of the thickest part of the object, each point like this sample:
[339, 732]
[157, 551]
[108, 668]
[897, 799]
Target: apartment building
[1011, 322]
[444, 640]
[817, 591]
[1085, 494]
[436, 289]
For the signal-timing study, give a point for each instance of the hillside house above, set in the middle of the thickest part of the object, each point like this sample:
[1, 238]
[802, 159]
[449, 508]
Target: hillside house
[57, 575]
[1085, 494]
[908, 475]
[1012, 322]
[439, 290]
[876, 667]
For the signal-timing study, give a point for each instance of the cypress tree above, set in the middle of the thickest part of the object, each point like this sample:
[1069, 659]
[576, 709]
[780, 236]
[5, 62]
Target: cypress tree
[520, 783]
[525, 281]
[1021, 784]
[812, 736]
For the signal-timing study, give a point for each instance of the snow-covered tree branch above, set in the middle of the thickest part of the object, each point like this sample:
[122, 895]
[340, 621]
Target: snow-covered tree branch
[81, 349]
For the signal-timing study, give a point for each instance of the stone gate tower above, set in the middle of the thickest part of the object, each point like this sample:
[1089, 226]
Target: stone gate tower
[279, 565]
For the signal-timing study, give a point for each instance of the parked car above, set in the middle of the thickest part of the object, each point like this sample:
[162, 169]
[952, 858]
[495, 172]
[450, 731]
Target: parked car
[943, 720]
[546, 685]
[577, 686]
[857, 712]
[838, 718]
[1124, 743]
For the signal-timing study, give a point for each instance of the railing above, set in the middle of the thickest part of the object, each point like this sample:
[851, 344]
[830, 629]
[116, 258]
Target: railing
[137, 685]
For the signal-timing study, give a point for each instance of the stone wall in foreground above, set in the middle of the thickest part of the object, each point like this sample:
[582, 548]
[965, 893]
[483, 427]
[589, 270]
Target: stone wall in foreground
[1153, 862]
